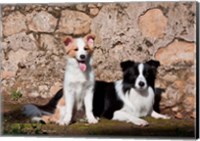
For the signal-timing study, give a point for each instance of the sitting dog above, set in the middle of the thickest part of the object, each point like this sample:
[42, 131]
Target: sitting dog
[78, 84]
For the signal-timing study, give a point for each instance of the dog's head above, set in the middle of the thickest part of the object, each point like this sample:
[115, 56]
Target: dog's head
[80, 49]
[139, 76]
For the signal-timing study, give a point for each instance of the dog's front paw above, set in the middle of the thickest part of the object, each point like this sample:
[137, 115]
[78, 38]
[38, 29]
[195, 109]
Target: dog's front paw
[166, 117]
[141, 122]
[63, 122]
[92, 120]
[159, 116]
[162, 117]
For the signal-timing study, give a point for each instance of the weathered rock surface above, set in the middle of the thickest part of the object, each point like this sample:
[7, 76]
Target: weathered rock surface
[153, 23]
[20, 40]
[176, 53]
[14, 23]
[73, 22]
[41, 22]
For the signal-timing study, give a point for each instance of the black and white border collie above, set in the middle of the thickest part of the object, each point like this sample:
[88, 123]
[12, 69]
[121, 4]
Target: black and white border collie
[130, 98]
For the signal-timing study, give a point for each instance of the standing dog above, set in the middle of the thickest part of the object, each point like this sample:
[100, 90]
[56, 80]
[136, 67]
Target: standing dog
[78, 84]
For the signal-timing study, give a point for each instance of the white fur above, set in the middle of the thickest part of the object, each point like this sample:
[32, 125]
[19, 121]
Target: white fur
[136, 104]
[141, 78]
[78, 87]
[81, 44]
[36, 119]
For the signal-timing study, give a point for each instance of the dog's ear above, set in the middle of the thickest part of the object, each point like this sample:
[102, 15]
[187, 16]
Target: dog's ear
[126, 64]
[153, 63]
[68, 40]
[90, 39]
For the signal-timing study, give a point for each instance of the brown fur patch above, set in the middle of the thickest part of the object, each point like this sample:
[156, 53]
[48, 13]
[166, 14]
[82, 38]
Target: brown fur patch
[61, 102]
[70, 45]
[89, 49]
[56, 116]
[89, 46]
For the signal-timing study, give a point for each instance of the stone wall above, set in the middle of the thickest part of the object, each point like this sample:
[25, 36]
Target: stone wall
[32, 52]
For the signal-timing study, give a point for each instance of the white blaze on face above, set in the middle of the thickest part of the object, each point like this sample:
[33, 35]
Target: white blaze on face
[141, 82]
[81, 51]
[80, 43]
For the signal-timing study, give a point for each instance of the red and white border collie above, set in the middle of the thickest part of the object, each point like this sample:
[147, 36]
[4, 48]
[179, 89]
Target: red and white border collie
[79, 78]
[78, 85]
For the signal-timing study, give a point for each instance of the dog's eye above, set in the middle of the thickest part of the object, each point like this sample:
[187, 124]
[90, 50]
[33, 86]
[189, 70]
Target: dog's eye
[85, 48]
[76, 49]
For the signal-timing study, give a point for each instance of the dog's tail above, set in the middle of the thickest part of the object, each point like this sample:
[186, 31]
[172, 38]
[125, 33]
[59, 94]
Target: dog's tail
[35, 112]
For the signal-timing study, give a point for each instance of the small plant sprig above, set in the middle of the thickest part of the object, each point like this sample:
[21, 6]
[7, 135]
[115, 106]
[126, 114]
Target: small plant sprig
[15, 95]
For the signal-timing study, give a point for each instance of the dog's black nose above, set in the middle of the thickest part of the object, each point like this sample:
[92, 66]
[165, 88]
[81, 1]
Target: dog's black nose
[82, 56]
[141, 84]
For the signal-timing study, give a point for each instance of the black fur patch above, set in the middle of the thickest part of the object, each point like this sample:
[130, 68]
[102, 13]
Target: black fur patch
[51, 105]
[130, 73]
[105, 100]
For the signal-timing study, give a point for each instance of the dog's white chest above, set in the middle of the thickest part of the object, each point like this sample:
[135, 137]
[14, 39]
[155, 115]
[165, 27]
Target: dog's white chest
[73, 74]
[78, 82]
[142, 103]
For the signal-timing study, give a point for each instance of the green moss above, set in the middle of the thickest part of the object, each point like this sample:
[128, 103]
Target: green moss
[27, 128]
[14, 123]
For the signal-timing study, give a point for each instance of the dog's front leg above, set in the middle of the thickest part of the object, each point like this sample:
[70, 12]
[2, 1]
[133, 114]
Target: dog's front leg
[88, 106]
[157, 115]
[121, 115]
[69, 105]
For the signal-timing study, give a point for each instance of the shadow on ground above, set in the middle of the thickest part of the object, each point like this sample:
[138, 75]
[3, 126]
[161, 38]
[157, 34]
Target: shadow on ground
[14, 123]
